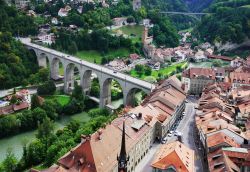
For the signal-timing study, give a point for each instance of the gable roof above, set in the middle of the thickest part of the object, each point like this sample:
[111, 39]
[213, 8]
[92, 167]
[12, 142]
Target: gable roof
[174, 154]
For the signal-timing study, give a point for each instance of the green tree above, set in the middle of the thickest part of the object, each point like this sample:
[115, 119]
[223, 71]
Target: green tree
[35, 101]
[13, 99]
[147, 70]
[10, 162]
[139, 69]
[217, 63]
[73, 48]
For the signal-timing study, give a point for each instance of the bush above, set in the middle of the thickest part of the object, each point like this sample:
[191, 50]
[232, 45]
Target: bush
[47, 88]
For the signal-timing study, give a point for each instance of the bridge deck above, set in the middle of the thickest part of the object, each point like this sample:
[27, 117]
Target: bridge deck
[102, 69]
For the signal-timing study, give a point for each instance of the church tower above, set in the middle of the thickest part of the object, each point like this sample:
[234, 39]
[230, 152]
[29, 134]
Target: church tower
[122, 158]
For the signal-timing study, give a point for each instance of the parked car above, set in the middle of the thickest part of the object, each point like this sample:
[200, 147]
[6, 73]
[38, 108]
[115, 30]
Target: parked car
[164, 140]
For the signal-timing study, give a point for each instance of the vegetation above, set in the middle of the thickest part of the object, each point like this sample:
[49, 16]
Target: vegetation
[16, 62]
[47, 88]
[15, 22]
[228, 23]
[61, 99]
[159, 74]
[134, 32]
[102, 58]
[48, 146]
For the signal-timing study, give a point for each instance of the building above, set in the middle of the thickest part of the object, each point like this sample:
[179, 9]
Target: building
[120, 21]
[174, 156]
[22, 4]
[239, 79]
[224, 144]
[136, 5]
[195, 79]
[46, 38]
[54, 21]
[237, 62]
[143, 125]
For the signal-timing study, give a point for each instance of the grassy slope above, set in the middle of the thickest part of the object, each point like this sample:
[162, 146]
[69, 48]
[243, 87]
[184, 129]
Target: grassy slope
[91, 55]
[165, 71]
[62, 99]
[128, 30]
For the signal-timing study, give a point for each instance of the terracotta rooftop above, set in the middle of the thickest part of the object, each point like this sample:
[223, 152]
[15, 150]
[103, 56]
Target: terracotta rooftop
[174, 154]
[195, 72]
[220, 139]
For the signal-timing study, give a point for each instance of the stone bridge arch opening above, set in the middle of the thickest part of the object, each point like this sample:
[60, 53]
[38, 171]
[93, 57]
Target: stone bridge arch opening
[135, 96]
[57, 69]
[43, 60]
[90, 84]
[112, 93]
[72, 75]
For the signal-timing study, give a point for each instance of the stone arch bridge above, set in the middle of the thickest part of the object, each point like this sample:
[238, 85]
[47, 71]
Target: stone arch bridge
[128, 84]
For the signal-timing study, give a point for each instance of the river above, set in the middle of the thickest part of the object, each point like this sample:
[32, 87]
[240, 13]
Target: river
[16, 142]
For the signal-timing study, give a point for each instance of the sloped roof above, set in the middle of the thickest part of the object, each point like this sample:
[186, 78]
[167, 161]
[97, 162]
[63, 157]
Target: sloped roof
[174, 154]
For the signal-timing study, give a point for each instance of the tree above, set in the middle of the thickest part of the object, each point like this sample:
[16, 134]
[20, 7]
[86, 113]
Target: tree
[35, 101]
[45, 129]
[47, 88]
[10, 162]
[130, 19]
[13, 99]
[73, 48]
[139, 69]
[217, 63]
[147, 70]
[39, 115]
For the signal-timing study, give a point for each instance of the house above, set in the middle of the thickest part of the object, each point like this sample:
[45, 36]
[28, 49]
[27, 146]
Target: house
[239, 79]
[120, 21]
[46, 38]
[146, 22]
[237, 62]
[136, 5]
[174, 156]
[134, 57]
[22, 4]
[195, 79]
[63, 12]
[224, 144]
[54, 21]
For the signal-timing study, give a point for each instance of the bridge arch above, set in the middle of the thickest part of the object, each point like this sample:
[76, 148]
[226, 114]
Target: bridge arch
[106, 90]
[55, 66]
[70, 71]
[130, 96]
[43, 60]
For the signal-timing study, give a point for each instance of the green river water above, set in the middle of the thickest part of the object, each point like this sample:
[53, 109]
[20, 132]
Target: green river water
[16, 142]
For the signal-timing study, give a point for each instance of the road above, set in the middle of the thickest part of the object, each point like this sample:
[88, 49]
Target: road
[186, 126]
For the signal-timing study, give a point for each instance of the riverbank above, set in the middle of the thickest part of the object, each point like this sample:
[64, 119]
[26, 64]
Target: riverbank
[16, 142]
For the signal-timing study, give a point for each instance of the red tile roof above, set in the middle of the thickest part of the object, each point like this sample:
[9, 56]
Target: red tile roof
[174, 154]
[196, 72]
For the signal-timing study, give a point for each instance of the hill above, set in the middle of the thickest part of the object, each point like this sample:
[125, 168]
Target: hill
[16, 62]
[230, 22]
[198, 5]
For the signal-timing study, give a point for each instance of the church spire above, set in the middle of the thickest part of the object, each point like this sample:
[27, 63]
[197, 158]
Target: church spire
[123, 159]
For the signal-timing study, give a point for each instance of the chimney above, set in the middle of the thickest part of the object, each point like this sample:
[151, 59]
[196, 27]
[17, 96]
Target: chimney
[99, 132]
[83, 138]
[139, 115]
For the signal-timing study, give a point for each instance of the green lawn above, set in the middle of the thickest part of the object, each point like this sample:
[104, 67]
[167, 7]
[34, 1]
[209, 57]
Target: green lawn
[134, 31]
[164, 71]
[62, 99]
[93, 55]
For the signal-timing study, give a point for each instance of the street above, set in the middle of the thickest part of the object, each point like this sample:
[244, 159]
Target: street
[186, 126]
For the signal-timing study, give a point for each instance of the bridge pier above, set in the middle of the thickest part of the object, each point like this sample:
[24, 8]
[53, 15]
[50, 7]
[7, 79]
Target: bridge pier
[86, 81]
